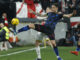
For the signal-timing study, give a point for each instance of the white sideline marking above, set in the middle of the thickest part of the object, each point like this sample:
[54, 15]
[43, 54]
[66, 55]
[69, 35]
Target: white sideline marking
[19, 52]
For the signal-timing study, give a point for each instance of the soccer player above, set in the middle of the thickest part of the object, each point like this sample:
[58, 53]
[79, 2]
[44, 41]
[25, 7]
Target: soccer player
[48, 28]
[40, 37]
[4, 35]
[4, 16]
[78, 43]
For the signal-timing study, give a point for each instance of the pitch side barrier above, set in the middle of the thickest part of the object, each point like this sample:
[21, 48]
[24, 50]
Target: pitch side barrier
[38, 20]
[27, 20]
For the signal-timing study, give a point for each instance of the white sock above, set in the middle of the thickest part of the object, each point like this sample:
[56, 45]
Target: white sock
[6, 48]
[38, 52]
[1, 46]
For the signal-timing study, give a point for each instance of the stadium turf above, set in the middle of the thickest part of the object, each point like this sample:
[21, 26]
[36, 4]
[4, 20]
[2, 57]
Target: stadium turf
[47, 54]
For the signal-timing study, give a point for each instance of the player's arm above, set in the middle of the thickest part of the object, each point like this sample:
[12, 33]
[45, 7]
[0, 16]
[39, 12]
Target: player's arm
[68, 15]
[38, 14]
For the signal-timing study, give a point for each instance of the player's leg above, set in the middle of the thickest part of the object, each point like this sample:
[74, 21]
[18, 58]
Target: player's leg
[78, 45]
[30, 26]
[55, 49]
[48, 41]
[48, 31]
[38, 50]
[5, 45]
[38, 41]
[1, 46]
[78, 48]
[37, 27]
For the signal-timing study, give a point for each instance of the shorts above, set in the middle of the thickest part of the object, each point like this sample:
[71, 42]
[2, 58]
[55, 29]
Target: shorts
[46, 30]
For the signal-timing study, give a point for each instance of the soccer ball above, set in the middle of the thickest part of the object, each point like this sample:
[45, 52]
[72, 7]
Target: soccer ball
[15, 21]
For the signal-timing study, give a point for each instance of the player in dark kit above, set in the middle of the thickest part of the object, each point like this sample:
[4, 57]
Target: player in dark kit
[78, 41]
[53, 17]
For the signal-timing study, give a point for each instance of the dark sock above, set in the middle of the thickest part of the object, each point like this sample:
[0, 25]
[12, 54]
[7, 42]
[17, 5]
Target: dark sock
[56, 51]
[23, 29]
[78, 48]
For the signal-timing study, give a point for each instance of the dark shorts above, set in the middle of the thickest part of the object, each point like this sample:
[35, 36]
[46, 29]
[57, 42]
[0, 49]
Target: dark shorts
[47, 30]
[1, 40]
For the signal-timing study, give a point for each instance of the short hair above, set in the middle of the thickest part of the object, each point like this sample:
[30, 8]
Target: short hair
[48, 7]
[55, 4]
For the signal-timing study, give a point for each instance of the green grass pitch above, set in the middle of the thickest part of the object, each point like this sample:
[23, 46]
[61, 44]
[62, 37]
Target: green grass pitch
[46, 53]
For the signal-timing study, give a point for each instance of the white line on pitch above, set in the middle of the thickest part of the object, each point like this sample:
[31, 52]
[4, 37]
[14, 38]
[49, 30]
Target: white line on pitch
[19, 52]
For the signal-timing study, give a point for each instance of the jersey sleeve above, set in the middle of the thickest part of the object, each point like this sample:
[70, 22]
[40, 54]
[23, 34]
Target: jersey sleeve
[60, 15]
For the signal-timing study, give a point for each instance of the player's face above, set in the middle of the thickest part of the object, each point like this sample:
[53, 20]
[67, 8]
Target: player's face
[54, 8]
[48, 10]
[1, 25]
[4, 15]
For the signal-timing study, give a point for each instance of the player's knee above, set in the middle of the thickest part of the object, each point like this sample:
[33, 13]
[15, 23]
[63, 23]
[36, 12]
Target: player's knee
[53, 43]
[32, 26]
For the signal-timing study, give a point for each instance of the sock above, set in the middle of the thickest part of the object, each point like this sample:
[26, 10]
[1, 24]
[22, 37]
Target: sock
[6, 48]
[56, 51]
[2, 46]
[38, 52]
[23, 29]
[78, 48]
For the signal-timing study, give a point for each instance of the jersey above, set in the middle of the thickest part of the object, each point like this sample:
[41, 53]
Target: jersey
[52, 19]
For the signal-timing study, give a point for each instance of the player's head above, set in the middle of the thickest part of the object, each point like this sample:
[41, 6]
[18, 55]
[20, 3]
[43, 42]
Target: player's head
[54, 7]
[4, 15]
[48, 9]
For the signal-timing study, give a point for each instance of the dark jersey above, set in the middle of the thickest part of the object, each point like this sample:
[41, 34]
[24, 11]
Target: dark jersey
[52, 19]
